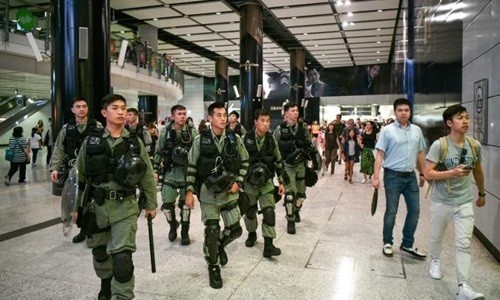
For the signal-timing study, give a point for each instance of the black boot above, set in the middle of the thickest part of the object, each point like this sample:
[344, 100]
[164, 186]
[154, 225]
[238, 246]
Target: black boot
[290, 228]
[269, 248]
[297, 216]
[252, 237]
[172, 234]
[79, 238]
[105, 292]
[214, 276]
[185, 234]
[222, 256]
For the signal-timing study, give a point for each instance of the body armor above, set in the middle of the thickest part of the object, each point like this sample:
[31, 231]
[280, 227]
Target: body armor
[74, 138]
[217, 169]
[292, 145]
[124, 165]
[176, 148]
[261, 162]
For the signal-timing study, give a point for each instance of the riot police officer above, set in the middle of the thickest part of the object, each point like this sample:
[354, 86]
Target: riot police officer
[171, 159]
[68, 144]
[295, 143]
[235, 125]
[132, 124]
[112, 163]
[217, 165]
[264, 162]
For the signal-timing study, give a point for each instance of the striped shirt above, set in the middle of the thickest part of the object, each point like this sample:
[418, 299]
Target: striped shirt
[17, 144]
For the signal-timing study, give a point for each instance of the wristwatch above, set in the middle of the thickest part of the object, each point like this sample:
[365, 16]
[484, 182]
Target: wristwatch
[481, 194]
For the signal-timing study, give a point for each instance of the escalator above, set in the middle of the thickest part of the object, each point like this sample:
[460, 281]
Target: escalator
[16, 109]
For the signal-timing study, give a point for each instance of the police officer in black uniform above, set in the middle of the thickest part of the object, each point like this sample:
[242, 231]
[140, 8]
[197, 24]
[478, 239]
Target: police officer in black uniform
[68, 144]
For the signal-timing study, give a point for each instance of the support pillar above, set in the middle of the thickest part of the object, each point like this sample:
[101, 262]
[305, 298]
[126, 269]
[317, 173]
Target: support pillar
[221, 80]
[148, 109]
[297, 77]
[250, 61]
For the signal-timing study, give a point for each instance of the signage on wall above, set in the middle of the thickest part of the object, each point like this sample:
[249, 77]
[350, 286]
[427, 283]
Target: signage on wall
[481, 110]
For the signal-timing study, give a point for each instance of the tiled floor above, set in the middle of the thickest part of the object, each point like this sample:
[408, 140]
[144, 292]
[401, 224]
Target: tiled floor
[336, 253]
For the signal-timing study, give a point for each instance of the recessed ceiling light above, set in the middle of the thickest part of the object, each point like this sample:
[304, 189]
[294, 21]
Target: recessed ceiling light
[166, 5]
[217, 13]
[286, 6]
[352, 23]
[189, 34]
[345, 24]
[182, 53]
[123, 31]
[39, 28]
[286, 59]
[378, 42]
[379, 10]
[294, 18]
[202, 60]
[340, 3]
[378, 51]
[328, 62]
[323, 54]
[275, 52]
[213, 46]
[155, 19]
[378, 29]
[349, 14]
[203, 73]
[315, 45]
[378, 59]
[347, 2]
[187, 68]
[305, 33]
[232, 54]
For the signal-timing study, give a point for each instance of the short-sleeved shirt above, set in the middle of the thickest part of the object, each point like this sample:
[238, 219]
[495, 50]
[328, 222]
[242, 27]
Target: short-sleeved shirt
[401, 146]
[18, 145]
[455, 191]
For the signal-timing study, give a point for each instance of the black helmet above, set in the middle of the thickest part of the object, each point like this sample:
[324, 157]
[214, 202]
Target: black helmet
[258, 175]
[180, 156]
[219, 181]
[129, 171]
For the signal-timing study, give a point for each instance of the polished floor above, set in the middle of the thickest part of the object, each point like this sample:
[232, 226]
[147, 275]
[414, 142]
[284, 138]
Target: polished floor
[336, 253]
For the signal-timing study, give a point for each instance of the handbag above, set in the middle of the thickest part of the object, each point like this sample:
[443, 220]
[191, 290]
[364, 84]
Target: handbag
[9, 154]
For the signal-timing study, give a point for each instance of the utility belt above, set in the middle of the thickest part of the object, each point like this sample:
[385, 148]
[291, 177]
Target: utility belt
[398, 173]
[100, 194]
[296, 157]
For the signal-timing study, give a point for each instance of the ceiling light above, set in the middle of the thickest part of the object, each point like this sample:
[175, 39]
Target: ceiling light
[305, 33]
[339, 3]
[123, 31]
[352, 23]
[379, 10]
[294, 18]
[345, 24]
[187, 68]
[378, 29]
[39, 28]
[347, 2]
[189, 34]
[203, 73]
[275, 52]
[202, 60]
[378, 59]
[315, 45]
[349, 14]
[286, 59]
[155, 19]
[286, 6]
[213, 46]
[232, 54]
[323, 54]
[328, 62]
[166, 5]
[378, 42]
[378, 52]
[217, 13]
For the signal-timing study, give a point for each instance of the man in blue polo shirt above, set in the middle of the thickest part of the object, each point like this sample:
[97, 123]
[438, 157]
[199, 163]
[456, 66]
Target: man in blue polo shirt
[401, 147]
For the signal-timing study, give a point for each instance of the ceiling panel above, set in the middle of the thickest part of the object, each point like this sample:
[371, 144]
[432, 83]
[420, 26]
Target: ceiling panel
[371, 25]
[214, 19]
[126, 4]
[317, 29]
[318, 36]
[150, 13]
[172, 22]
[369, 32]
[304, 21]
[225, 27]
[186, 30]
[367, 5]
[369, 16]
[309, 10]
[231, 35]
[202, 37]
[281, 3]
[220, 42]
[201, 8]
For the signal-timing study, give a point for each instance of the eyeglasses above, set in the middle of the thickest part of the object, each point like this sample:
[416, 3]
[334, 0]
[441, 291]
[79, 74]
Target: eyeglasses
[463, 153]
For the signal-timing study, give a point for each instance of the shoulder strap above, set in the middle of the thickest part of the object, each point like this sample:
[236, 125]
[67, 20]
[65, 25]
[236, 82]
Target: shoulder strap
[474, 146]
[443, 146]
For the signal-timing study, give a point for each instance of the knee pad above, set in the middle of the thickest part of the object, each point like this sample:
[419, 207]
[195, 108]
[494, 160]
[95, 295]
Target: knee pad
[231, 233]
[123, 268]
[211, 243]
[100, 254]
[252, 212]
[269, 216]
[290, 204]
[169, 210]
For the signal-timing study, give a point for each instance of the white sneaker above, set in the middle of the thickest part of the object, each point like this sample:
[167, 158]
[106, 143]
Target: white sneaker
[465, 292]
[387, 250]
[435, 269]
[363, 181]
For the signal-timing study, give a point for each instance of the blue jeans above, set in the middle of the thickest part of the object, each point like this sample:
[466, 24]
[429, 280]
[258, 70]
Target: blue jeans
[395, 185]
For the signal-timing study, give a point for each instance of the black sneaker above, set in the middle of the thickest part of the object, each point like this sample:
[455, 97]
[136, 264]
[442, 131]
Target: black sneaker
[7, 180]
[222, 256]
[297, 217]
[79, 238]
[105, 292]
[413, 252]
[214, 276]
[172, 234]
[290, 228]
[271, 250]
[252, 237]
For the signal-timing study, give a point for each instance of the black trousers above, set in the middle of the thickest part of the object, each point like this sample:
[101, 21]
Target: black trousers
[14, 166]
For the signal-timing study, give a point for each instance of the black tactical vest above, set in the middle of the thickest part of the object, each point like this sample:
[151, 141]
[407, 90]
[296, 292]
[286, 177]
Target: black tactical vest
[101, 164]
[74, 139]
[237, 129]
[230, 157]
[173, 141]
[289, 142]
[266, 153]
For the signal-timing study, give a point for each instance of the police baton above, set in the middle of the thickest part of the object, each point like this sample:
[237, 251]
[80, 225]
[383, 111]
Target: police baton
[151, 244]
